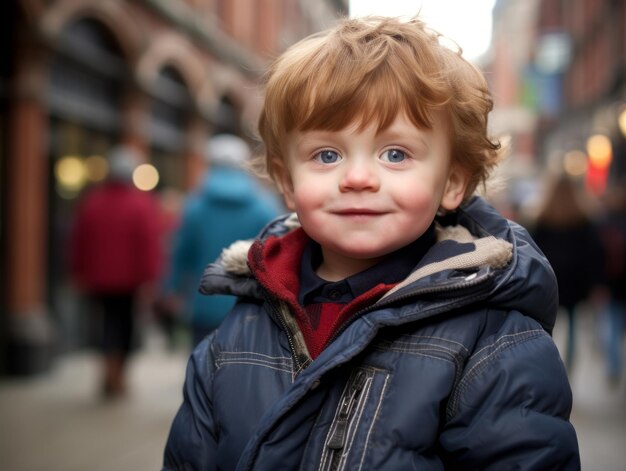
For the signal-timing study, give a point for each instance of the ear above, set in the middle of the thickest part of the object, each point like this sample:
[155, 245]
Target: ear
[455, 188]
[284, 183]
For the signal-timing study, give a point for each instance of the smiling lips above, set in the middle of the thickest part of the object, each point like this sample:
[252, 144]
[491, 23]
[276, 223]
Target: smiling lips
[358, 212]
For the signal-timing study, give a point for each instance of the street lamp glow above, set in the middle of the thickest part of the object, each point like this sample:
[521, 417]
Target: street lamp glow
[600, 150]
[575, 163]
[146, 177]
[70, 172]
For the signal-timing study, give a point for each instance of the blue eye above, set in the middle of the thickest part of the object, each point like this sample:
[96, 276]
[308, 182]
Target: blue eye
[328, 157]
[393, 156]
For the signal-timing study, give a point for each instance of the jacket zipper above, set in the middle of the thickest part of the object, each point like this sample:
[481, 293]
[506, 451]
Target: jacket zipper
[338, 437]
[299, 365]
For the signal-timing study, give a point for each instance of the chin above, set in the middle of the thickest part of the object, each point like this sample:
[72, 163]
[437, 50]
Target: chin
[364, 254]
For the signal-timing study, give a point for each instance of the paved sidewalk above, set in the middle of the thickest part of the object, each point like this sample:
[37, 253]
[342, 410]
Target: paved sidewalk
[599, 413]
[56, 422]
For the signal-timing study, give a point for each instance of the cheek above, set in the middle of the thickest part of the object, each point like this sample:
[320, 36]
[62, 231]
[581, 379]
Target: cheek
[306, 199]
[416, 199]
[308, 193]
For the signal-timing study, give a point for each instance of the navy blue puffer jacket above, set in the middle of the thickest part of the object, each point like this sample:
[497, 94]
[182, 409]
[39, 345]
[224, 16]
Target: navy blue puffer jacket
[452, 369]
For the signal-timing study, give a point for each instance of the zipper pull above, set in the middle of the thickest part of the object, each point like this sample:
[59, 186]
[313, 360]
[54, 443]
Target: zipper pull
[338, 438]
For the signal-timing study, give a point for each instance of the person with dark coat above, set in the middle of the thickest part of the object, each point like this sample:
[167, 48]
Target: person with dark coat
[394, 320]
[567, 234]
[613, 313]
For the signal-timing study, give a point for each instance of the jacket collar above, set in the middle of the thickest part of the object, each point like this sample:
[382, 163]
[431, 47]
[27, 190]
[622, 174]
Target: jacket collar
[521, 277]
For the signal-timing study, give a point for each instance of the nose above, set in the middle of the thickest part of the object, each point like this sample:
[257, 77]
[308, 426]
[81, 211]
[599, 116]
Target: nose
[360, 175]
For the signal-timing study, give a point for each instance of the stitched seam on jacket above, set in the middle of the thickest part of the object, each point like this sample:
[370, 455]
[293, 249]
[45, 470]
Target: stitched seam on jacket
[415, 347]
[234, 356]
[518, 334]
[434, 357]
[427, 350]
[256, 363]
[357, 419]
[374, 419]
[503, 343]
[444, 340]
[408, 346]
[251, 358]
[256, 354]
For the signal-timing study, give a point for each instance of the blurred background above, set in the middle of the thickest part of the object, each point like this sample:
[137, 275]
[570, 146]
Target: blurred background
[80, 77]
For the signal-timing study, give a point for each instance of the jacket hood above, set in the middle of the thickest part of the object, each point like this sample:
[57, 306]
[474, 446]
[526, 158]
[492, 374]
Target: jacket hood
[477, 251]
[228, 186]
[527, 284]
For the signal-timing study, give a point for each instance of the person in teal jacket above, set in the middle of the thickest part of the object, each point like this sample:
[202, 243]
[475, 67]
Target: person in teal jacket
[229, 204]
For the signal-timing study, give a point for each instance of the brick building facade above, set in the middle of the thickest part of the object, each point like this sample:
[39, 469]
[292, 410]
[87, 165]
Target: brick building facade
[557, 70]
[79, 76]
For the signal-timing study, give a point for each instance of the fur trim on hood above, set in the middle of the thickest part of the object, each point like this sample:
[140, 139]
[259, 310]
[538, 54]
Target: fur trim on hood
[489, 252]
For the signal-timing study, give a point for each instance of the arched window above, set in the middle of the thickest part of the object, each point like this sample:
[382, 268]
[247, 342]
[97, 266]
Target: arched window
[169, 116]
[87, 77]
[227, 119]
[170, 107]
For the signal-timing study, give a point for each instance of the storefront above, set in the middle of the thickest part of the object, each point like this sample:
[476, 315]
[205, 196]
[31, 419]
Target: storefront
[85, 80]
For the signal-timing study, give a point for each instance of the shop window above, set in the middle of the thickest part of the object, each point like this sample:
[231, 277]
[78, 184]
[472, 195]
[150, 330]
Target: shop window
[169, 115]
[87, 76]
[227, 117]
[86, 86]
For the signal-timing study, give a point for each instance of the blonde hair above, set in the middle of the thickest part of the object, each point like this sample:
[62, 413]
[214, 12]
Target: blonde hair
[370, 70]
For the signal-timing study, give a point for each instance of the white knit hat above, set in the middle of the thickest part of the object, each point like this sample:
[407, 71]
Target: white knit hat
[122, 163]
[227, 150]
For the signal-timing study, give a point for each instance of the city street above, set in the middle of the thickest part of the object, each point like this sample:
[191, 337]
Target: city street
[57, 422]
[138, 138]
[599, 413]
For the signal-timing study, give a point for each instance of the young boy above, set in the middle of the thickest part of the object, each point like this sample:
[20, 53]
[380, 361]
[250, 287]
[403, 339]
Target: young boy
[395, 321]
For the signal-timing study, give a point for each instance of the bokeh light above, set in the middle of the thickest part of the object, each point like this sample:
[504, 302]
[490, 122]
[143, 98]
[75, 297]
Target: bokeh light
[146, 177]
[97, 168]
[599, 150]
[70, 173]
[575, 163]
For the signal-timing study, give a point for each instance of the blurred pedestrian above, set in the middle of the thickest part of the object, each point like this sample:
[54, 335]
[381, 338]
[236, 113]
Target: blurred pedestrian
[116, 253]
[229, 204]
[566, 232]
[613, 318]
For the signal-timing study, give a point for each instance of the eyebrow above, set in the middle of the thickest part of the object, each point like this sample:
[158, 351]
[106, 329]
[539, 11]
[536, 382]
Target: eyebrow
[304, 137]
[416, 137]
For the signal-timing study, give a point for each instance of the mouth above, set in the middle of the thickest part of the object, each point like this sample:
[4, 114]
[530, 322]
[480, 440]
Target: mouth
[356, 212]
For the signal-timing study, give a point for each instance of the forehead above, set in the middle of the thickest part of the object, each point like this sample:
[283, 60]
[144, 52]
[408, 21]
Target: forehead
[401, 131]
[400, 124]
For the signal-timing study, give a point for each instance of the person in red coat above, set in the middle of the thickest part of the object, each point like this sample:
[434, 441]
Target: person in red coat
[116, 253]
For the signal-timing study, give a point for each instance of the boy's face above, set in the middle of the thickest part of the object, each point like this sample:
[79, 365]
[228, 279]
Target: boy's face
[362, 195]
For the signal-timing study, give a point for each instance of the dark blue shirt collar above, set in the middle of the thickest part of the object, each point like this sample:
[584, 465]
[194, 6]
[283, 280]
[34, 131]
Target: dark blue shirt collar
[393, 269]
